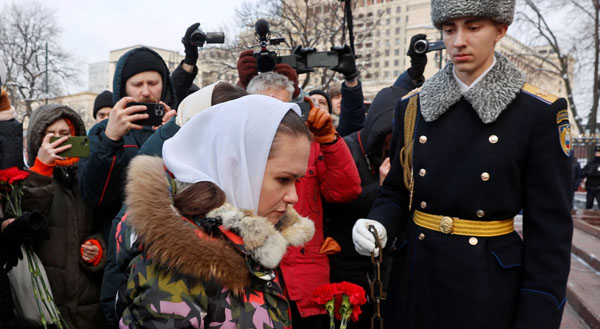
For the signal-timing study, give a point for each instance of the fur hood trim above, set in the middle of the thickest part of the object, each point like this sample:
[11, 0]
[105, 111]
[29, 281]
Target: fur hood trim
[265, 242]
[490, 97]
[175, 244]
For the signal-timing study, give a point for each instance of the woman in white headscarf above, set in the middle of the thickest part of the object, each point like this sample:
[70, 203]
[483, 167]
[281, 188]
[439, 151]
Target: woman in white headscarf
[214, 225]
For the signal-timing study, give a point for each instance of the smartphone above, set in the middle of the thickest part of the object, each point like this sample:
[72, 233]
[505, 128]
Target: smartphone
[304, 109]
[80, 148]
[155, 113]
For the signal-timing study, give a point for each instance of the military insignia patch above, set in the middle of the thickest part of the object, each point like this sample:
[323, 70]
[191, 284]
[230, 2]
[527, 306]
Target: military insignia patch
[564, 131]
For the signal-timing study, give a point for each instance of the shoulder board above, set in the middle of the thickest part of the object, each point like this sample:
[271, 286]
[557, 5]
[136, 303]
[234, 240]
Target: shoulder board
[539, 93]
[411, 93]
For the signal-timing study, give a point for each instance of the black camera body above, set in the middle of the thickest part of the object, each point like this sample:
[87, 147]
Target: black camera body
[266, 60]
[424, 46]
[303, 60]
[198, 38]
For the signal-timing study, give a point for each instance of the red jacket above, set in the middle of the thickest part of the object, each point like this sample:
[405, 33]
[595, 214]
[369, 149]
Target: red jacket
[331, 174]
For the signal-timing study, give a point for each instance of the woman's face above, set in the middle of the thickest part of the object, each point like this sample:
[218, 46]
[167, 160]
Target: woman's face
[285, 166]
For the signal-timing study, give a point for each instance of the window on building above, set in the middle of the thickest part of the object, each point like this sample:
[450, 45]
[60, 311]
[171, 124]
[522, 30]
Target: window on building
[397, 41]
[388, 11]
[376, 75]
[398, 9]
[377, 33]
[386, 74]
[387, 52]
[387, 21]
[396, 62]
[386, 64]
[376, 65]
[397, 30]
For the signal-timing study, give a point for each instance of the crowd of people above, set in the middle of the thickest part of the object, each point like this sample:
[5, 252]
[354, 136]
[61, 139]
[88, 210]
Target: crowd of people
[237, 206]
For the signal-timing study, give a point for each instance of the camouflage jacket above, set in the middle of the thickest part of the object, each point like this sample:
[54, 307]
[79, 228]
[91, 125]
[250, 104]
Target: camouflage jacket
[189, 274]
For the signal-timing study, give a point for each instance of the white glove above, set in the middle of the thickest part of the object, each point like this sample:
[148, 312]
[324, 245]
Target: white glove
[364, 241]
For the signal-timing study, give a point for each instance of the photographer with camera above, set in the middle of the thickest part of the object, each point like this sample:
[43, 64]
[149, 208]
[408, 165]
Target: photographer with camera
[331, 175]
[140, 76]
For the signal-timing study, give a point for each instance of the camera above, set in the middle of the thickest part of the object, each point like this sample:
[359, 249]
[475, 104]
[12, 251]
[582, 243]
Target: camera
[424, 46]
[265, 59]
[303, 60]
[198, 38]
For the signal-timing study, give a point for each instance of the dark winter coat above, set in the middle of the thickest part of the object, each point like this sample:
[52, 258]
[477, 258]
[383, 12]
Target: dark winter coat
[75, 285]
[183, 81]
[352, 110]
[366, 147]
[11, 144]
[591, 172]
[102, 174]
[114, 277]
[484, 155]
[225, 277]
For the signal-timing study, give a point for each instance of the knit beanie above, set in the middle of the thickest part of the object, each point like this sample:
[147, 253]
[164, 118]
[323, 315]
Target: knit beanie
[104, 99]
[142, 61]
[324, 94]
[501, 11]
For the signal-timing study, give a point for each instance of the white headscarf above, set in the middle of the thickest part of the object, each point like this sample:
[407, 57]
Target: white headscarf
[194, 104]
[228, 144]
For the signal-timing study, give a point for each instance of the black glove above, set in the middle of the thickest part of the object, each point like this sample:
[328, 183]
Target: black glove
[191, 51]
[347, 63]
[417, 61]
[31, 225]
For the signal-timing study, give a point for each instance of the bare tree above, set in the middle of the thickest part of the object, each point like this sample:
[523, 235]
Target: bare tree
[29, 48]
[559, 59]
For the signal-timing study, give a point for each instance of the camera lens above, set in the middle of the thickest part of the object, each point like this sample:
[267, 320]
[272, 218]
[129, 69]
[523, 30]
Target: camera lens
[421, 46]
[197, 38]
[159, 110]
[265, 63]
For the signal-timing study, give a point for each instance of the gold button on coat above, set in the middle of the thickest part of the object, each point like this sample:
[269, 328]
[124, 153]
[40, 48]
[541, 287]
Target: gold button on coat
[493, 139]
[480, 213]
[485, 176]
[422, 172]
[423, 204]
[473, 241]
[423, 139]
[421, 236]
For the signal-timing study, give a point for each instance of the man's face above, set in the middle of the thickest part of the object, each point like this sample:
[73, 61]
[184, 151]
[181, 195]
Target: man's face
[103, 113]
[320, 101]
[281, 94]
[145, 87]
[336, 103]
[470, 43]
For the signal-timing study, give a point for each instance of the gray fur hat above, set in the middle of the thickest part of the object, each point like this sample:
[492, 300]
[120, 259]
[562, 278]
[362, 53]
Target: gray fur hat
[501, 11]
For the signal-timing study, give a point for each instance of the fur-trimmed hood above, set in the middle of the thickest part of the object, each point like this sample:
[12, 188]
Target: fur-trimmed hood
[175, 244]
[489, 97]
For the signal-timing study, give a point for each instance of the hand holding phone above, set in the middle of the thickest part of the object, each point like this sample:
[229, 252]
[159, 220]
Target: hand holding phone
[48, 152]
[121, 119]
[80, 146]
[155, 112]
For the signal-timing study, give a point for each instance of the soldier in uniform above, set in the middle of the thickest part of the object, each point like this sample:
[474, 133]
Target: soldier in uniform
[470, 150]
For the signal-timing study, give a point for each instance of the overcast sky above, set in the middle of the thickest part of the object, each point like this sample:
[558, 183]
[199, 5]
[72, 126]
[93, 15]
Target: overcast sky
[90, 29]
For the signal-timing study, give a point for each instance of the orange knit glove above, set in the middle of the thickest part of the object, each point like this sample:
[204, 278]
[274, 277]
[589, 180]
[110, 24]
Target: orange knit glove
[320, 124]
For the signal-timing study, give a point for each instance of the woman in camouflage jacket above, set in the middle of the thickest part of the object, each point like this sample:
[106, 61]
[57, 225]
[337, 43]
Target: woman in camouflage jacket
[202, 251]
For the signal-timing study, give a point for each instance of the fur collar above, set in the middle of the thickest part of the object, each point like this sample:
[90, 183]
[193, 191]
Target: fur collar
[175, 244]
[489, 97]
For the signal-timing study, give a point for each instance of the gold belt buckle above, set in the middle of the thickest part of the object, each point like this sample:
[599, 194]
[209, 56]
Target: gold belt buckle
[446, 225]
